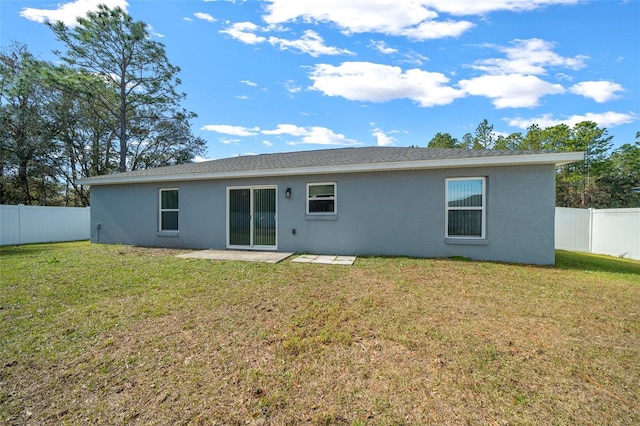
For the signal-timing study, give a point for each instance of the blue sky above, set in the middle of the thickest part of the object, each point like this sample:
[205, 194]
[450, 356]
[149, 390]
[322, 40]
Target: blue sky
[284, 75]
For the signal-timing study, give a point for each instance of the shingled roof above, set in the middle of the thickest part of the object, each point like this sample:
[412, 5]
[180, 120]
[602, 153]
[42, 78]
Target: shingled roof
[341, 160]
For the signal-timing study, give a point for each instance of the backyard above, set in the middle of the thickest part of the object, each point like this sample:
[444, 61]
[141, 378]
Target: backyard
[97, 334]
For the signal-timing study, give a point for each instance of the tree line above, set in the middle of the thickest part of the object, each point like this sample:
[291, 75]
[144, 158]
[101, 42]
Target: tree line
[111, 103]
[605, 179]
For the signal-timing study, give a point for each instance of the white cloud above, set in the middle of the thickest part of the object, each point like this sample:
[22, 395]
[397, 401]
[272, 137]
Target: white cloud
[390, 16]
[370, 82]
[382, 47]
[287, 129]
[531, 56]
[401, 18]
[311, 43]
[204, 16]
[314, 135]
[511, 91]
[430, 30]
[382, 138]
[600, 91]
[67, 13]
[414, 58]
[323, 136]
[249, 83]
[244, 32]
[604, 119]
[231, 130]
[292, 87]
[563, 77]
[153, 32]
[353, 16]
[200, 159]
[242, 97]
[482, 7]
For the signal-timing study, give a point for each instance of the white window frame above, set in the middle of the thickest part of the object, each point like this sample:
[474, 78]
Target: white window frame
[334, 198]
[161, 210]
[483, 208]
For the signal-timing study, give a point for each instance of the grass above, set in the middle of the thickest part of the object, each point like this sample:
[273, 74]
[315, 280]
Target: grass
[95, 334]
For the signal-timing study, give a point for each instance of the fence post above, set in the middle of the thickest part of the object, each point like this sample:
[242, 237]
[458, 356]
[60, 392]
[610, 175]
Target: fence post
[590, 230]
[20, 207]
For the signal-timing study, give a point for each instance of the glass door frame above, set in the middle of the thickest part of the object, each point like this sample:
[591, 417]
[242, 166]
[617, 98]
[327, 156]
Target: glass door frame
[251, 245]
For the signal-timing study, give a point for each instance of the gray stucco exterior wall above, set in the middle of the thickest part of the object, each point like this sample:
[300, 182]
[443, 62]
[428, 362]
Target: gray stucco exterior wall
[398, 213]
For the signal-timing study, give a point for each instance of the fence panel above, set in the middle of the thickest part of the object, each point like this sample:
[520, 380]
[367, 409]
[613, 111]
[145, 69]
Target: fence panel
[9, 225]
[572, 229]
[37, 224]
[615, 232]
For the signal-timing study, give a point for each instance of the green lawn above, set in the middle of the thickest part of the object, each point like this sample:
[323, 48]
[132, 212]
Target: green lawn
[96, 334]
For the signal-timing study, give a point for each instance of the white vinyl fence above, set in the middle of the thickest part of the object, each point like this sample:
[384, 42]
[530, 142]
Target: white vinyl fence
[615, 232]
[36, 224]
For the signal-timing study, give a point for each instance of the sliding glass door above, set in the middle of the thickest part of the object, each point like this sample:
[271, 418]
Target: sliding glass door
[264, 217]
[239, 217]
[251, 217]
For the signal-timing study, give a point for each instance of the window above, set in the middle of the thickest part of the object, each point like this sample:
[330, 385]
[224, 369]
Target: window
[321, 198]
[168, 210]
[466, 202]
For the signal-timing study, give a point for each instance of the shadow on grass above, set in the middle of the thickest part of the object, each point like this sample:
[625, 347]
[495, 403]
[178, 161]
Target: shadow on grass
[25, 249]
[595, 262]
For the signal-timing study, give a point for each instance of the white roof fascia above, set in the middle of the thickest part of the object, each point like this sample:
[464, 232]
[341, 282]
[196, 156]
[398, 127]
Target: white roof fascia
[555, 158]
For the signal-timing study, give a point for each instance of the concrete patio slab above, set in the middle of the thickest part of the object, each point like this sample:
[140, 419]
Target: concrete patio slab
[305, 258]
[243, 255]
[325, 259]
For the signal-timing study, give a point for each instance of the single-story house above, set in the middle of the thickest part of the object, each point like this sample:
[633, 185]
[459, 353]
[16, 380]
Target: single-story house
[419, 202]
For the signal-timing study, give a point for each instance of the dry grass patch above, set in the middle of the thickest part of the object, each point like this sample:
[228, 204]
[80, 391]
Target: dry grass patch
[97, 334]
